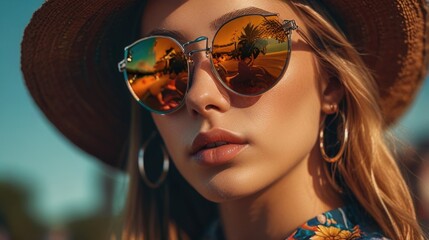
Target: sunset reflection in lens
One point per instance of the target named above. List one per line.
(250, 53)
(157, 73)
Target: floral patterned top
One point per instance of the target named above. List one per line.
(341, 223)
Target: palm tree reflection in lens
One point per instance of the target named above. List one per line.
(159, 77)
(250, 53)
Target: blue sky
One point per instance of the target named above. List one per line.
(62, 180)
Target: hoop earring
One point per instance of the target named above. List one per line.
(141, 165)
(340, 153)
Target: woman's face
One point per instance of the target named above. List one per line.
(266, 136)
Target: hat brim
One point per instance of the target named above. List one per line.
(69, 56)
(392, 37)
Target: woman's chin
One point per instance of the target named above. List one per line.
(222, 188)
(221, 194)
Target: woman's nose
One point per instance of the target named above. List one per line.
(206, 94)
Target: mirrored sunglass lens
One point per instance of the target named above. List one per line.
(157, 73)
(250, 53)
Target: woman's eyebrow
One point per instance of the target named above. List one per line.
(170, 33)
(215, 24)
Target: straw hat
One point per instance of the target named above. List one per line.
(70, 51)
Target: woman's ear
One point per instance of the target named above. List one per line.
(332, 94)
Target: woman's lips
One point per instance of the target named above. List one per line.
(216, 147)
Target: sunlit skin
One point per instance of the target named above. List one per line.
(276, 182)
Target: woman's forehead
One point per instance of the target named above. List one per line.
(206, 15)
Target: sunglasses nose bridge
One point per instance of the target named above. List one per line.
(189, 51)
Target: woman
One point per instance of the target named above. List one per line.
(272, 112)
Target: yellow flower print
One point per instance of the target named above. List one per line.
(334, 233)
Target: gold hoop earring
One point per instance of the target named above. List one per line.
(141, 164)
(340, 153)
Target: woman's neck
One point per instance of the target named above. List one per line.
(276, 211)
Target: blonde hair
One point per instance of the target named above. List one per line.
(368, 171)
(172, 211)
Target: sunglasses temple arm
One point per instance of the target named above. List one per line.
(307, 40)
(290, 25)
(121, 65)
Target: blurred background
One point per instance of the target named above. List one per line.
(49, 189)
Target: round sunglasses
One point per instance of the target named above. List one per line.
(248, 56)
